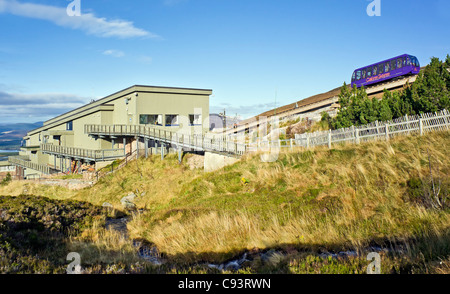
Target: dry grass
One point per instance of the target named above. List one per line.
(98, 245)
(347, 197)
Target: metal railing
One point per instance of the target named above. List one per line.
(81, 153)
(210, 142)
(24, 161)
(417, 124)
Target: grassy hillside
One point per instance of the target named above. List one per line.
(350, 197)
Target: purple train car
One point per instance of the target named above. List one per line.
(386, 70)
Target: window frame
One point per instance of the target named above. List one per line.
(400, 59)
(192, 122)
(393, 64)
(167, 116)
(69, 125)
(153, 122)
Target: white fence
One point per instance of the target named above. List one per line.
(406, 125)
(417, 124)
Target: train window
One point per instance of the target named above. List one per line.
(393, 64)
(358, 75)
(363, 73)
(386, 67)
(399, 63)
(380, 68)
(375, 70)
(353, 76)
(408, 60)
(369, 72)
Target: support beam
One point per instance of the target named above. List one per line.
(163, 146)
(124, 146)
(137, 147)
(180, 154)
(146, 147)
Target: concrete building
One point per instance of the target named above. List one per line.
(65, 143)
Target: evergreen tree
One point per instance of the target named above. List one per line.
(429, 93)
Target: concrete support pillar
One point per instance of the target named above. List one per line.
(180, 154)
(146, 147)
(137, 147)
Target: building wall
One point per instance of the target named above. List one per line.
(122, 108)
(182, 105)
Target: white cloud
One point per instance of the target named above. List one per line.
(14, 106)
(245, 111)
(87, 22)
(145, 59)
(114, 53)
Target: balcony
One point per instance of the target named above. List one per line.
(83, 154)
(25, 162)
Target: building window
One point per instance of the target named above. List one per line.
(195, 119)
(172, 120)
(150, 119)
(69, 126)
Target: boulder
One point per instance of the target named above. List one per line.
(128, 201)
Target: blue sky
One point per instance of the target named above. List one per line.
(253, 54)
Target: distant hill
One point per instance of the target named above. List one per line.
(11, 134)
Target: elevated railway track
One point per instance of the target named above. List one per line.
(328, 100)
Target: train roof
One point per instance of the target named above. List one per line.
(384, 61)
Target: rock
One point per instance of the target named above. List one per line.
(272, 256)
(107, 205)
(128, 201)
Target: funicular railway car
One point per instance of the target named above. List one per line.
(389, 69)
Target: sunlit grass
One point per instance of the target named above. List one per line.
(348, 197)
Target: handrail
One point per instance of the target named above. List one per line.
(24, 161)
(215, 143)
(96, 155)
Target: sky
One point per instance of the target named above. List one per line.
(254, 54)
